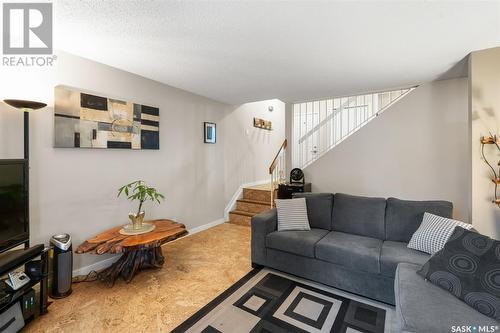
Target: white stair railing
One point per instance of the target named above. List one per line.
(320, 125)
(277, 170)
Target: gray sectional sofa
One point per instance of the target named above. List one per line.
(422, 307)
(355, 244)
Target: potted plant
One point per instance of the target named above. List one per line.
(139, 191)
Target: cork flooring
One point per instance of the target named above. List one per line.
(197, 269)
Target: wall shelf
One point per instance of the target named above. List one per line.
(263, 124)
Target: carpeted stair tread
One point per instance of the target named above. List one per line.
(241, 212)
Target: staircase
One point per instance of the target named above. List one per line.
(256, 199)
(318, 126)
(259, 198)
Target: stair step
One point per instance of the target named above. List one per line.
(252, 206)
(256, 194)
(265, 187)
(254, 201)
(240, 217)
(241, 212)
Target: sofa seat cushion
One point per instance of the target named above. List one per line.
(296, 242)
(394, 253)
(355, 252)
(424, 307)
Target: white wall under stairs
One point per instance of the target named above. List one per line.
(416, 149)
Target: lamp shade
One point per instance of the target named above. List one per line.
(24, 105)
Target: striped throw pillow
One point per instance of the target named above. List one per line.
(292, 214)
(434, 232)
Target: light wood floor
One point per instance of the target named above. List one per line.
(197, 269)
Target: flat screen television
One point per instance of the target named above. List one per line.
(14, 213)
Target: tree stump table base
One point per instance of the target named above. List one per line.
(139, 251)
(130, 263)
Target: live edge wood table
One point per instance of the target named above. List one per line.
(139, 251)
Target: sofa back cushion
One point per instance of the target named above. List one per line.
(403, 217)
(359, 215)
(319, 209)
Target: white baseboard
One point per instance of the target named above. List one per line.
(97, 266)
(108, 261)
(206, 226)
(239, 194)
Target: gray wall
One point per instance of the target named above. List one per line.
(417, 149)
(485, 119)
(74, 190)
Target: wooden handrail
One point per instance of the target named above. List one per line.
(273, 165)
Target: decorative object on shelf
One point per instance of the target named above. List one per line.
(263, 124)
(89, 121)
(210, 132)
(492, 140)
(139, 251)
(139, 191)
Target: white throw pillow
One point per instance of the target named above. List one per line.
(434, 232)
(292, 214)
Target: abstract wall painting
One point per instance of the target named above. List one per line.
(89, 121)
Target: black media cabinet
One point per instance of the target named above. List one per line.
(10, 261)
(286, 190)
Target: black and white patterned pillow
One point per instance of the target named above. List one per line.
(434, 232)
(292, 214)
(469, 268)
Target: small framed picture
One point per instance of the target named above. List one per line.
(210, 133)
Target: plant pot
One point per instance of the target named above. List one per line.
(136, 219)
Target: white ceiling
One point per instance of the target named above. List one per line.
(238, 52)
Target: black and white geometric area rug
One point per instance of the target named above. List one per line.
(272, 302)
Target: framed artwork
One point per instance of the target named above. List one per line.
(83, 120)
(210, 133)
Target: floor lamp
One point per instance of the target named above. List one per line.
(26, 107)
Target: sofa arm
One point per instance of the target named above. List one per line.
(262, 224)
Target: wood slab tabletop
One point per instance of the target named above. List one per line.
(111, 241)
